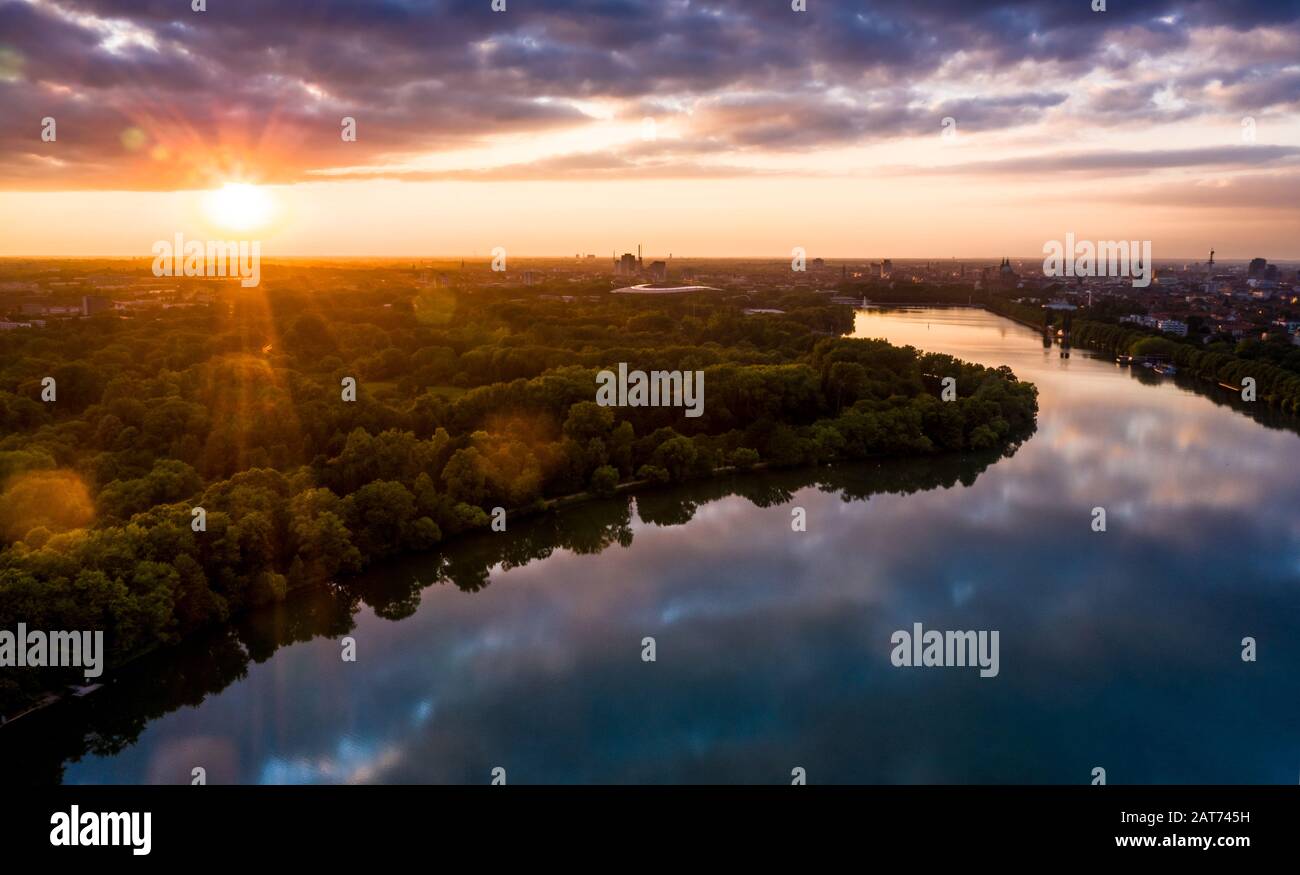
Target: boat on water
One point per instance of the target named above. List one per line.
(1167, 369)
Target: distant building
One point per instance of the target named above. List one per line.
(1173, 326)
(819, 262)
(648, 289)
(92, 304)
(532, 277)
(658, 271)
(626, 265)
(1007, 276)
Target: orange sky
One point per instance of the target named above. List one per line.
(843, 217)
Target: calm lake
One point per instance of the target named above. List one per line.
(1119, 649)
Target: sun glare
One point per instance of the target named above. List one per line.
(238, 206)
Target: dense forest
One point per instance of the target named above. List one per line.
(466, 400)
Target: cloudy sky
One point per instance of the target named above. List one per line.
(901, 128)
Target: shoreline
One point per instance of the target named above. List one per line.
(1041, 329)
(40, 692)
(47, 699)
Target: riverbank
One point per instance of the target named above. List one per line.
(992, 412)
(1275, 387)
(857, 479)
(1030, 317)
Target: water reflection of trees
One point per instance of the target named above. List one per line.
(1267, 416)
(35, 749)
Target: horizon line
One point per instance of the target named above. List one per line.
(583, 258)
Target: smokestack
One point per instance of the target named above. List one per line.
(639, 262)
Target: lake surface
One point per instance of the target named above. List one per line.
(1118, 649)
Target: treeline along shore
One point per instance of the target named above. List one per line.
(210, 660)
(1275, 385)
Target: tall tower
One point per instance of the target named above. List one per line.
(639, 263)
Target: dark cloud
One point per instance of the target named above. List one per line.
(262, 86)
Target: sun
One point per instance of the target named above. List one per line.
(238, 206)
